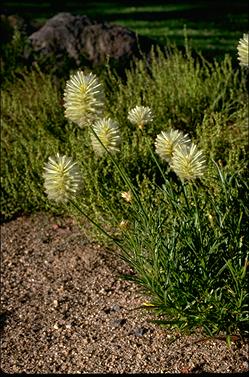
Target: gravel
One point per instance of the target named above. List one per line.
(64, 309)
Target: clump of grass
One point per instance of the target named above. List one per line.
(185, 236)
(12, 52)
(190, 254)
(187, 242)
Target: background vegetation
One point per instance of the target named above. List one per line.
(213, 27)
(207, 101)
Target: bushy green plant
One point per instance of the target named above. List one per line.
(179, 89)
(32, 127)
(12, 52)
(32, 116)
(190, 254)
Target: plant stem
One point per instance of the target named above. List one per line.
(123, 175)
(95, 224)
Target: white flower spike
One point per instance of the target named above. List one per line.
(83, 99)
(62, 178)
(188, 162)
(140, 116)
(108, 133)
(243, 50)
(166, 142)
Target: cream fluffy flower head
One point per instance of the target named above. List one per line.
(124, 224)
(166, 142)
(243, 50)
(140, 116)
(83, 98)
(127, 196)
(188, 162)
(62, 178)
(108, 132)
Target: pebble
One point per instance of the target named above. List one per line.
(118, 322)
(139, 331)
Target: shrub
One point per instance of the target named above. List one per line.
(175, 87)
(32, 127)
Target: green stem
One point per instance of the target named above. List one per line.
(123, 175)
(197, 211)
(156, 161)
(167, 181)
(185, 196)
(198, 226)
(95, 224)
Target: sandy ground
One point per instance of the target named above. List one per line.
(64, 309)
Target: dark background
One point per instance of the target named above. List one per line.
(213, 27)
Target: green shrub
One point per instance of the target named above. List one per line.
(207, 101)
(179, 89)
(32, 127)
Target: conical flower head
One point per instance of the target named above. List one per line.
(188, 162)
(108, 133)
(140, 116)
(83, 98)
(166, 142)
(243, 50)
(62, 178)
(127, 196)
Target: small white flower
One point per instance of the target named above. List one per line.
(188, 162)
(140, 116)
(166, 142)
(127, 196)
(62, 178)
(107, 131)
(83, 98)
(243, 50)
(124, 224)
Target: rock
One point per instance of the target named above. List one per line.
(139, 331)
(78, 37)
(60, 35)
(118, 322)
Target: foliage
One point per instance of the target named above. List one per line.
(186, 241)
(201, 99)
(190, 254)
(32, 127)
(12, 55)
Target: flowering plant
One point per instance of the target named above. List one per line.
(243, 50)
(186, 238)
(83, 98)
